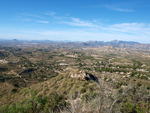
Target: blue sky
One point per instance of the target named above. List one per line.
(75, 20)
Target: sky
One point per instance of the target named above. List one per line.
(75, 20)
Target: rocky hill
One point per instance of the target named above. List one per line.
(77, 44)
(114, 43)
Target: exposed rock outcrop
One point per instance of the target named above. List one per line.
(83, 76)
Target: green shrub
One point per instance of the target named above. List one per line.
(37, 104)
(89, 96)
(137, 108)
(139, 84)
(128, 108)
(55, 102)
(14, 90)
(83, 90)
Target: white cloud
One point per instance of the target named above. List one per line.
(135, 28)
(123, 10)
(30, 15)
(78, 22)
(129, 28)
(53, 14)
(50, 13)
(60, 17)
(45, 22)
(118, 9)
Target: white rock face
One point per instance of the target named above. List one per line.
(83, 75)
(3, 61)
(80, 74)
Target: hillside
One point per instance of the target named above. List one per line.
(76, 90)
(62, 84)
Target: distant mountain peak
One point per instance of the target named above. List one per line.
(15, 40)
(115, 41)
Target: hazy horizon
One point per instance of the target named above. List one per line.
(70, 40)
